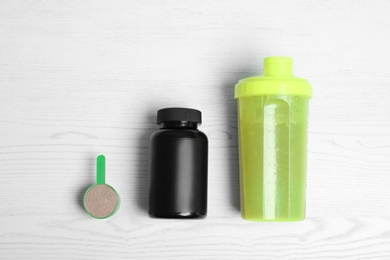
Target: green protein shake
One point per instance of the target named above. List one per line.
(273, 115)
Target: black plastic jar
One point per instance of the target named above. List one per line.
(178, 165)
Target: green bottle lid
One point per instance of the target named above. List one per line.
(277, 79)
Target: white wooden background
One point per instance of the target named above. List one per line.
(79, 78)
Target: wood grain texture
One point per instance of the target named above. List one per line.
(79, 78)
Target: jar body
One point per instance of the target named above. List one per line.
(178, 173)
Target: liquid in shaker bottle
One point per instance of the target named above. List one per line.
(272, 118)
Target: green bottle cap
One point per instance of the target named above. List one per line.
(101, 200)
(277, 79)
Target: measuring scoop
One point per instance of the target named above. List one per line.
(101, 200)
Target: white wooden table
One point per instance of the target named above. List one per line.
(79, 78)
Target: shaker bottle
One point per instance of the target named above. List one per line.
(272, 119)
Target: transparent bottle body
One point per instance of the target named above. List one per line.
(273, 157)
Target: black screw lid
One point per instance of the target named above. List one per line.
(179, 114)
